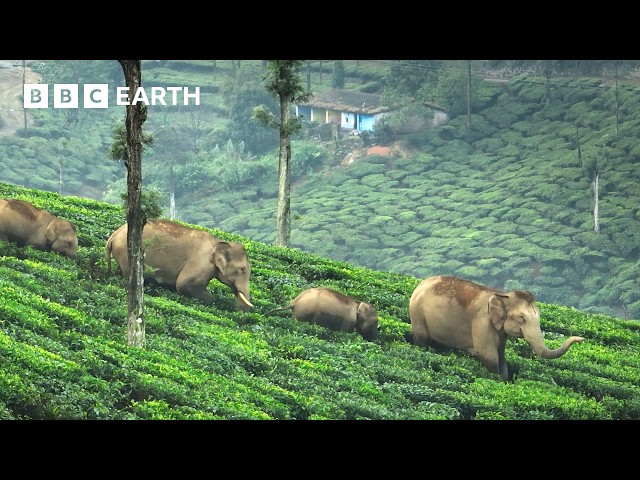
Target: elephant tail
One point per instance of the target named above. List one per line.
(288, 307)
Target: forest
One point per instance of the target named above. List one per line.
(502, 194)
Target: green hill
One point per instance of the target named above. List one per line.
(64, 353)
(505, 201)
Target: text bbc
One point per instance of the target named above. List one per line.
(96, 95)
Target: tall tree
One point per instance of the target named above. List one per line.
(578, 143)
(468, 93)
(547, 82)
(337, 80)
(617, 67)
(448, 92)
(548, 67)
(135, 117)
(62, 144)
(241, 95)
(283, 79)
(409, 76)
(24, 80)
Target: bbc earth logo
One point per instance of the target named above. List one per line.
(96, 95)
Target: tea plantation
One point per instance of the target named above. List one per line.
(64, 353)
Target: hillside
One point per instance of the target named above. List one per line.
(64, 354)
(506, 201)
(11, 117)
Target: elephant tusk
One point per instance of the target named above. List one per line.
(244, 299)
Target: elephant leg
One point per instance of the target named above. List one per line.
(348, 324)
(502, 361)
(421, 336)
(491, 363)
(488, 347)
(124, 269)
(186, 285)
(489, 357)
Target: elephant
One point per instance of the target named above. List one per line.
(334, 310)
(24, 224)
(461, 314)
(187, 259)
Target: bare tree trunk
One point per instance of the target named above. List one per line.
(547, 84)
(136, 115)
(579, 150)
(60, 170)
(468, 93)
(320, 72)
(596, 215)
(283, 215)
(24, 80)
(172, 193)
(172, 205)
(616, 95)
(308, 75)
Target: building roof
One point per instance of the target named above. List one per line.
(347, 101)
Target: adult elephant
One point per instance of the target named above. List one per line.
(334, 310)
(24, 224)
(187, 259)
(462, 314)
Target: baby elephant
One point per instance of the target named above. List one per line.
(335, 311)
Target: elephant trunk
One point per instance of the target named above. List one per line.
(539, 348)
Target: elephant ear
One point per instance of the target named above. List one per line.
(50, 233)
(221, 256)
(497, 310)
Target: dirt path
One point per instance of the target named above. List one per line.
(11, 111)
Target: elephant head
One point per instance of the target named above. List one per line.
(62, 238)
(367, 321)
(233, 269)
(518, 314)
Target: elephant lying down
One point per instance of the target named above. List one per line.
(187, 259)
(25, 224)
(461, 314)
(335, 311)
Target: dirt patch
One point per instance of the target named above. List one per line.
(11, 106)
(379, 150)
(398, 149)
